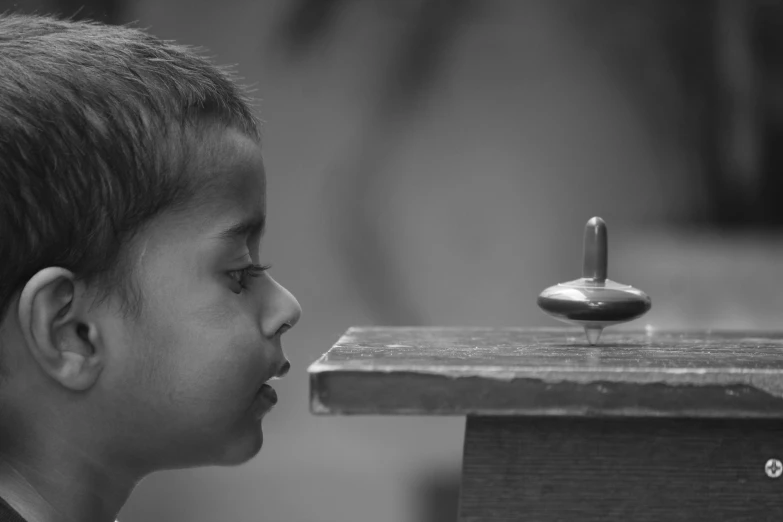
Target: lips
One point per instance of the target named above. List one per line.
(268, 393)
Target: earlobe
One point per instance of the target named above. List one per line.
(57, 334)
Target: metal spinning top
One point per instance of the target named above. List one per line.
(593, 301)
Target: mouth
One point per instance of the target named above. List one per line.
(268, 393)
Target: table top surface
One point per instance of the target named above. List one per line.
(710, 373)
(476, 349)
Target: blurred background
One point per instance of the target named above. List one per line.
(433, 162)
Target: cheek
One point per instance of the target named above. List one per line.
(201, 361)
(217, 357)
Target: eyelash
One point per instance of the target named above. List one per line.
(249, 271)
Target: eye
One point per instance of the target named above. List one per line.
(241, 276)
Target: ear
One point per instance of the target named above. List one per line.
(57, 331)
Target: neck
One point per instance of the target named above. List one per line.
(62, 489)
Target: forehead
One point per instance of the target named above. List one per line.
(227, 171)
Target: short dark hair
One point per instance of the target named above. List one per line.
(96, 128)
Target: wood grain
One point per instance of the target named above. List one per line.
(605, 470)
(550, 371)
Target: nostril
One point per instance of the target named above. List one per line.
(284, 328)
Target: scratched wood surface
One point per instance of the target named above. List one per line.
(550, 371)
(551, 469)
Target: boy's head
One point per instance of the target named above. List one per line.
(132, 328)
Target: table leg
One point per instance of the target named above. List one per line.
(621, 469)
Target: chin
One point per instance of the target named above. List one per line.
(243, 448)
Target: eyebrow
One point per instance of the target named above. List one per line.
(240, 230)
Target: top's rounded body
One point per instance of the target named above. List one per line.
(593, 301)
(588, 303)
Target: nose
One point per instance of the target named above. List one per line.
(281, 310)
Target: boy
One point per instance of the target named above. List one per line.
(138, 329)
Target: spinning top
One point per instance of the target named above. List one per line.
(593, 301)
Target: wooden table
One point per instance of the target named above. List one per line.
(645, 426)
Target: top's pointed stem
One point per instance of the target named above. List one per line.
(593, 334)
(595, 251)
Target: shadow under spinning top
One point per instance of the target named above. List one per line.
(593, 301)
